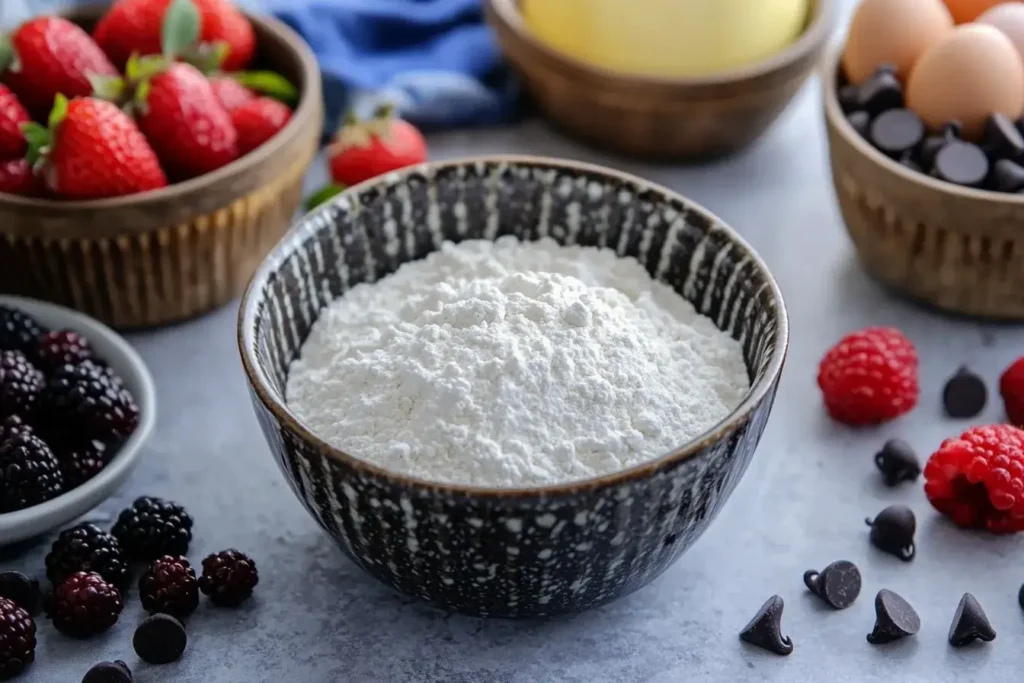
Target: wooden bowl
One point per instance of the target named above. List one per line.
(528, 551)
(955, 248)
(177, 252)
(660, 118)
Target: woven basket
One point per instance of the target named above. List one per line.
(958, 249)
(178, 252)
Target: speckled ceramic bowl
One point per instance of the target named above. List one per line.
(511, 552)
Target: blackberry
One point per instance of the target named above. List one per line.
(11, 425)
(17, 639)
(62, 347)
(29, 472)
(87, 548)
(228, 578)
(20, 384)
(170, 586)
(18, 331)
(153, 527)
(84, 605)
(89, 398)
(109, 672)
(82, 463)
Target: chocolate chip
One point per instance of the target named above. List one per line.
(964, 395)
(861, 122)
(929, 149)
(896, 132)
(837, 584)
(20, 589)
(160, 639)
(1007, 176)
(892, 531)
(908, 161)
(897, 462)
(849, 96)
(894, 618)
(880, 93)
(953, 130)
(970, 623)
(109, 672)
(765, 629)
(1002, 140)
(1020, 597)
(961, 163)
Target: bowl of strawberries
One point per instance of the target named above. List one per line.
(151, 153)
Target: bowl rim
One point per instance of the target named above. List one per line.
(178, 191)
(835, 117)
(815, 33)
(260, 383)
(37, 519)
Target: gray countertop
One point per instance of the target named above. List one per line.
(802, 503)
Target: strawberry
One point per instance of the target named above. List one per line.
(230, 93)
(92, 150)
(1011, 388)
(135, 27)
(364, 149)
(259, 120)
(16, 177)
(50, 55)
(12, 116)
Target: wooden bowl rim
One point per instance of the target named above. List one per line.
(758, 392)
(506, 13)
(838, 121)
(179, 191)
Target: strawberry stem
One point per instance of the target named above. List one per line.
(322, 195)
(181, 28)
(268, 83)
(384, 111)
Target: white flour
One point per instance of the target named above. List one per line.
(507, 364)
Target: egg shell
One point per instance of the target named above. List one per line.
(964, 11)
(972, 73)
(1008, 18)
(892, 32)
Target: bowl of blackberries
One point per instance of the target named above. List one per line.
(76, 405)
(925, 124)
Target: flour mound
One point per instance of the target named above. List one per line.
(469, 368)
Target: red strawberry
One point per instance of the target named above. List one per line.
(870, 376)
(1011, 387)
(50, 55)
(16, 177)
(366, 149)
(134, 26)
(258, 121)
(12, 115)
(230, 93)
(92, 150)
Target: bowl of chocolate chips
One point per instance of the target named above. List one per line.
(925, 121)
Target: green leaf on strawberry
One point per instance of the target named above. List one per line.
(40, 137)
(268, 83)
(322, 195)
(8, 57)
(181, 28)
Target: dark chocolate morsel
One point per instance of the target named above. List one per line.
(961, 163)
(1020, 597)
(929, 149)
(109, 672)
(970, 623)
(952, 130)
(894, 618)
(880, 93)
(21, 590)
(1007, 176)
(886, 68)
(160, 639)
(765, 629)
(860, 121)
(897, 462)
(896, 132)
(908, 161)
(965, 394)
(1002, 140)
(849, 96)
(892, 531)
(837, 584)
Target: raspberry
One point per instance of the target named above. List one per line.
(1011, 387)
(84, 605)
(170, 586)
(977, 480)
(20, 384)
(62, 347)
(870, 376)
(17, 639)
(87, 548)
(90, 398)
(82, 463)
(153, 527)
(29, 472)
(18, 331)
(228, 578)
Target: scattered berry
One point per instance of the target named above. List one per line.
(1011, 387)
(170, 586)
(228, 578)
(977, 479)
(153, 527)
(21, 590)
(17, 639)
(259, 120)
(85, 605)
(18, 331)
(62, 347)
(230, 93)
(20, 384)
(16, 177)
(870, 376)
(160, 639)
(365, 149)
(29, 472)
(109, 672)
(87, 548)
(12, 115)
(90, 398)
(83, 462)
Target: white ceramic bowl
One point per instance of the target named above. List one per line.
(122, 358)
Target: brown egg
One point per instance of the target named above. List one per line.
(964, 11)
(892, 32)
(1008, 18)
(972, 73)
